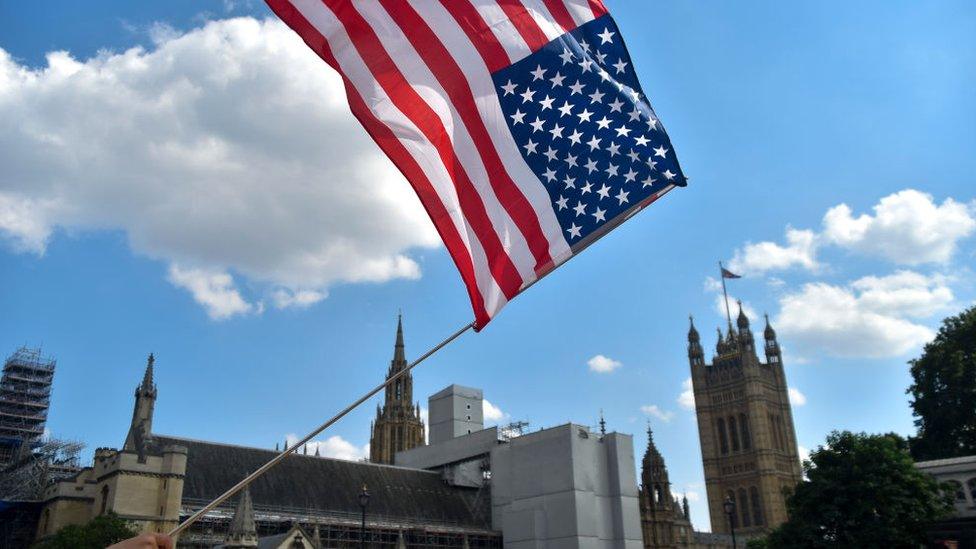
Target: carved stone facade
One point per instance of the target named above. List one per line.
(397, 426)
(745, 425)
(665, 523)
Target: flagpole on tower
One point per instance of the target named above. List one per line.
(728, 312)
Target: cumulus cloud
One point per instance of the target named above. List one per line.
(492, 413)
(213, 289)
(687, 397)
(907, 228)
(229, 147)
(796, 397)
(603, 364)
(655, 411)
(333, 447)
(800, 251)
(870, 317)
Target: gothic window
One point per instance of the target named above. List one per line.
(746, 436)
(723, 442)
(757, 514)
(398, 390)
(774, 431)
(104, 500)
(782, 432)
(744, 502)
(658, 493)
(734, 433)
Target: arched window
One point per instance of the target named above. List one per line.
(658, 493)
(971, 484)
(723, 442)
(734, 518)
(757, 514)
(734, 433)
(398, 391)
(774, 429)
(744, 501)
(104, 500)
(746, 436)
(956, 490)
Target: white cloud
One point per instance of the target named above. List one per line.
(333, 447)
(804, 453)
(868, 318)
(301, 299)
(907, 227)
(796, 397)
(230, 148)
(655, 411)
(692, 496)
(213, 289)
(492, 413)
(687, 397)
(603, 364)
(800, 251)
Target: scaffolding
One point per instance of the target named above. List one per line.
(25, 395)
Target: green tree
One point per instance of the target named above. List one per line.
(98, 533)
(861, 491)
(944, 391)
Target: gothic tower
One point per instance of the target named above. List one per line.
(745, 426)
(398, 425)
(242, 532)
(142, 413)
(657, 508)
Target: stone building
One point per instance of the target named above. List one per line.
(397, 426)
(664, 521)
(155, 481)
(745, 426)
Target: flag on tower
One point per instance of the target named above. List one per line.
(729, 274)
(520, 124)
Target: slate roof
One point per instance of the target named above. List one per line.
(324, 486)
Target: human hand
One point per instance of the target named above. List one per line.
(145, 541)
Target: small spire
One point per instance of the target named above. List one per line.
(286, 445)
(277, 448)
(603, 424)
(693, 336)
(242, 527)
(650, 434)
(147, 378)
(317, 454)
(399, 355)
(305, 450)
(770, 333)
(743, 320)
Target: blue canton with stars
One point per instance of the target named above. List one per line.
(585, 127)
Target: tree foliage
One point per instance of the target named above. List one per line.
(862, 491)
(98, 533)
(944, 391)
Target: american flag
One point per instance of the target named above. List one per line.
(520, 123)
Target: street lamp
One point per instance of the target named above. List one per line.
(729, 507)
(363, 502)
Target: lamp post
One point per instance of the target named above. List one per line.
(729, 507)
(363, 502)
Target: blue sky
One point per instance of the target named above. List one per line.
(174, 200)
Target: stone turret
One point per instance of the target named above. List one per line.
(140, 429)
(397, 426)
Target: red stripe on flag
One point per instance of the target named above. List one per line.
(598, 8)
(524, 24)
(562, 16)
(452, 79)
(390, 144)
(409, 102)
(474, 26)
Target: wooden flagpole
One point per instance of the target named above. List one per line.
(277, 459)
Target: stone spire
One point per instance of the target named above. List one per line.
(399, 354)
(243, 532)
(603, 424)
(769, 333)
(742, 321)
(142, 413)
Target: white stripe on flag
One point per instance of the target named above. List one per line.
(580, 10)
(503, 29)
(545, 20)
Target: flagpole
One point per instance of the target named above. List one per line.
(277, 459)
(728, 313)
